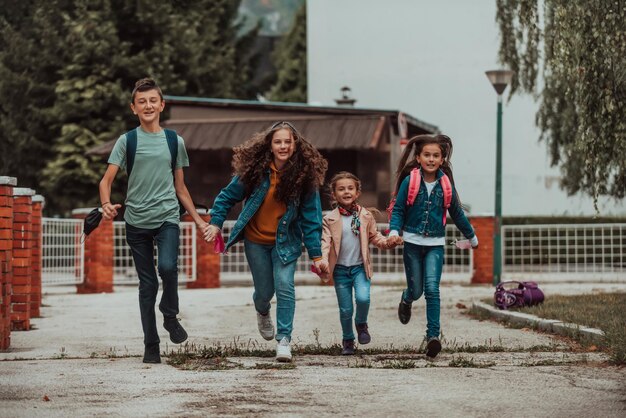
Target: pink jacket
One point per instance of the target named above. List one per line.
(331, 239)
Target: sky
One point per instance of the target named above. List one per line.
(428, 59)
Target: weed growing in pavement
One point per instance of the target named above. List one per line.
(461, 361)
(399, 364)
(361, 364)
(62, 354)
(273, 366)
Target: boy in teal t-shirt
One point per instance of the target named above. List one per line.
(152, 213)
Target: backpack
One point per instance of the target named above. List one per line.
(525, 294)
(415, 180)
(172, 144)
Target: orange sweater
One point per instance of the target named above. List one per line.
(261, 229)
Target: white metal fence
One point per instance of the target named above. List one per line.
(387, 264)
(564, 252)
(124, 266)
(62, 261)
(541, 252)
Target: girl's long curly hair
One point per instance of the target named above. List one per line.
(303, 173)
(414, 148)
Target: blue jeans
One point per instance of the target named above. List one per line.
(141, 242)
(347, 278)
(423, 265)
(271, 276)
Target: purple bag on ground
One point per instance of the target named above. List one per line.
(525, 294)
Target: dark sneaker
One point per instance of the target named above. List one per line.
(151, 353)
(178, 334)
(364, 335)
(404, 312)
(348, 348)
(433, 347)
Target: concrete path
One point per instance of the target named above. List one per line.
(84, 358)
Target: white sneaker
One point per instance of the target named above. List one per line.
(283, 351)
(266, 327)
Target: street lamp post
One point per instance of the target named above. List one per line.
(499, 79)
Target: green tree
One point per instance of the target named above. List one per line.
(580, 50)
(290, 62)
(30, 56)
(89, 105)
(69, 66)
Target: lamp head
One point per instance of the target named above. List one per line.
(500, 79)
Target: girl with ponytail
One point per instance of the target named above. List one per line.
(423, 227)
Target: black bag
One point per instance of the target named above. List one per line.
(91, 222)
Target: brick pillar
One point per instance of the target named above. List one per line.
(484, 227)
(6, 258)
(207, 262)
(22, 258)
(36, 253)
(98, 275)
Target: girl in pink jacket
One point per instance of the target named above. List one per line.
(347, 232)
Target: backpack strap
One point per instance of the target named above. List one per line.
(446, 185)
(131, 149)
(172, 144)
(415, 180)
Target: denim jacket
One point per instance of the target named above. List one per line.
(301, 221)
(425, 216)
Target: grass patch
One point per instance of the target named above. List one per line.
(399, 364)
(603, 311)
(462, 361)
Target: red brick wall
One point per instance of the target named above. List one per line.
(6, 257)
(36, 253)
(22, 259)
(98, 275)
(483, 256)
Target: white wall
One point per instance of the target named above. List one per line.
(428, 59)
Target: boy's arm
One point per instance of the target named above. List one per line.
(185, 198)
(109, 209)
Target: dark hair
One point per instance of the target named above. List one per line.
(303, 173)
(414, 148)
(145, 84)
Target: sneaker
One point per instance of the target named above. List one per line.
(364, 335)
(404, 312)
(151, 353)
(178, 334)
(348, 348)
(433, 347)
(283, 351)
(266, 327)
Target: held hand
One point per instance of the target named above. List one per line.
(323, 266)
(210, 233)
(202, 226)
(109, 211)
(394, 241)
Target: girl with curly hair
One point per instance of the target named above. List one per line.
(278, 174)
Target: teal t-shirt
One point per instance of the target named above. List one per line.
(151, 197)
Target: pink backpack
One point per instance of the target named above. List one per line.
(415, 180)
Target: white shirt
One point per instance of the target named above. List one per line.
(350, 246)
